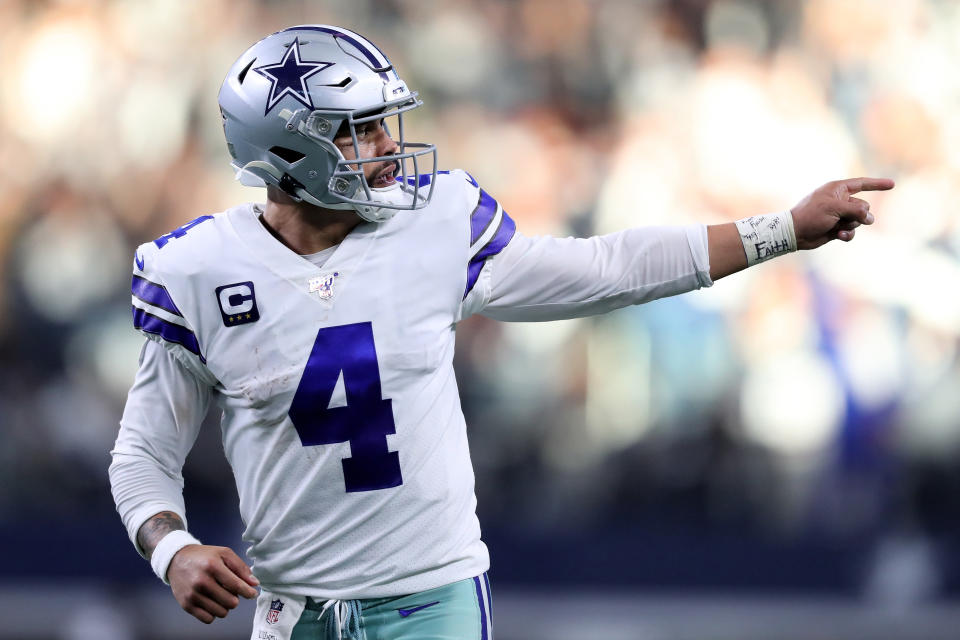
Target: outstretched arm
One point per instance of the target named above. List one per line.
(535, 279)
(829, 213)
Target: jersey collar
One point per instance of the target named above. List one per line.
(285, 262)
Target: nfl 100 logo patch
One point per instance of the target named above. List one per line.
(273, 615)
(323, 285)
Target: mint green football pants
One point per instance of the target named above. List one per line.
(458, 611)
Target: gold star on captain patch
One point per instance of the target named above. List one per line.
(248, 316)
(230, 318)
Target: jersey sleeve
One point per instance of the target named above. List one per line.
(157, 316)
(162, 417)
(514, 277)
(491, 230)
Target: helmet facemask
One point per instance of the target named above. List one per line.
(348, 186)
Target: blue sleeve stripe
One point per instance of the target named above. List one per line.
(153, 293)
(167, 330)
(482, 215)
(496, 244)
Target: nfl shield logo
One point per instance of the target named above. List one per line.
(276, 606)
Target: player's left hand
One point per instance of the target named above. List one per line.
(832, 213)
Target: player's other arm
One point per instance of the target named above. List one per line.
(160, 423)
(206, 580)
(829, 213)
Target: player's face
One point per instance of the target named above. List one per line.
(372, 141)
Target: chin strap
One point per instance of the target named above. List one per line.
(370, 213)
(248, 175)
(304, 195)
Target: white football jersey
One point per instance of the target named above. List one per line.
(341, 415)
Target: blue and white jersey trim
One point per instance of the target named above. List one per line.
(485, 605)
(154, 294)
(424, 179)
(490, 231)
(154, 312)
(169, 331)
(482, 216)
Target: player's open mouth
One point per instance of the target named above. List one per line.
(386, 178)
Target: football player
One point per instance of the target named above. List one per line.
(321, 324)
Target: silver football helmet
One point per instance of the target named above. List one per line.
(287, 97)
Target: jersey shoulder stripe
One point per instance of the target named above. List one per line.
(153, 294)
(488, 214)
(175, 333)
(482, 216)
(160, 296)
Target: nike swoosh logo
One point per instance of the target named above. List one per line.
(405, 612)
(139, 261)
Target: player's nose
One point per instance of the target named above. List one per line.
(388, 146)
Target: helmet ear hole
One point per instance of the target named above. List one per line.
(290, 156)
(343, 83)
(243, 73)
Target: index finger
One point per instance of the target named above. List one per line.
(855, 185)
(242, 577)
(229, 580)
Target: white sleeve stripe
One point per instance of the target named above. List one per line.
(159, 312)
(488, 233)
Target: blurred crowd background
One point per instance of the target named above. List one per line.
(794, 429)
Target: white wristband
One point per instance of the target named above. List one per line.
(767, 236)
(168, 547)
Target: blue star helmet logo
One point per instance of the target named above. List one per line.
(289, 76)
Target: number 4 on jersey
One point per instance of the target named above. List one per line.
(366, 420)
(179, 232)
